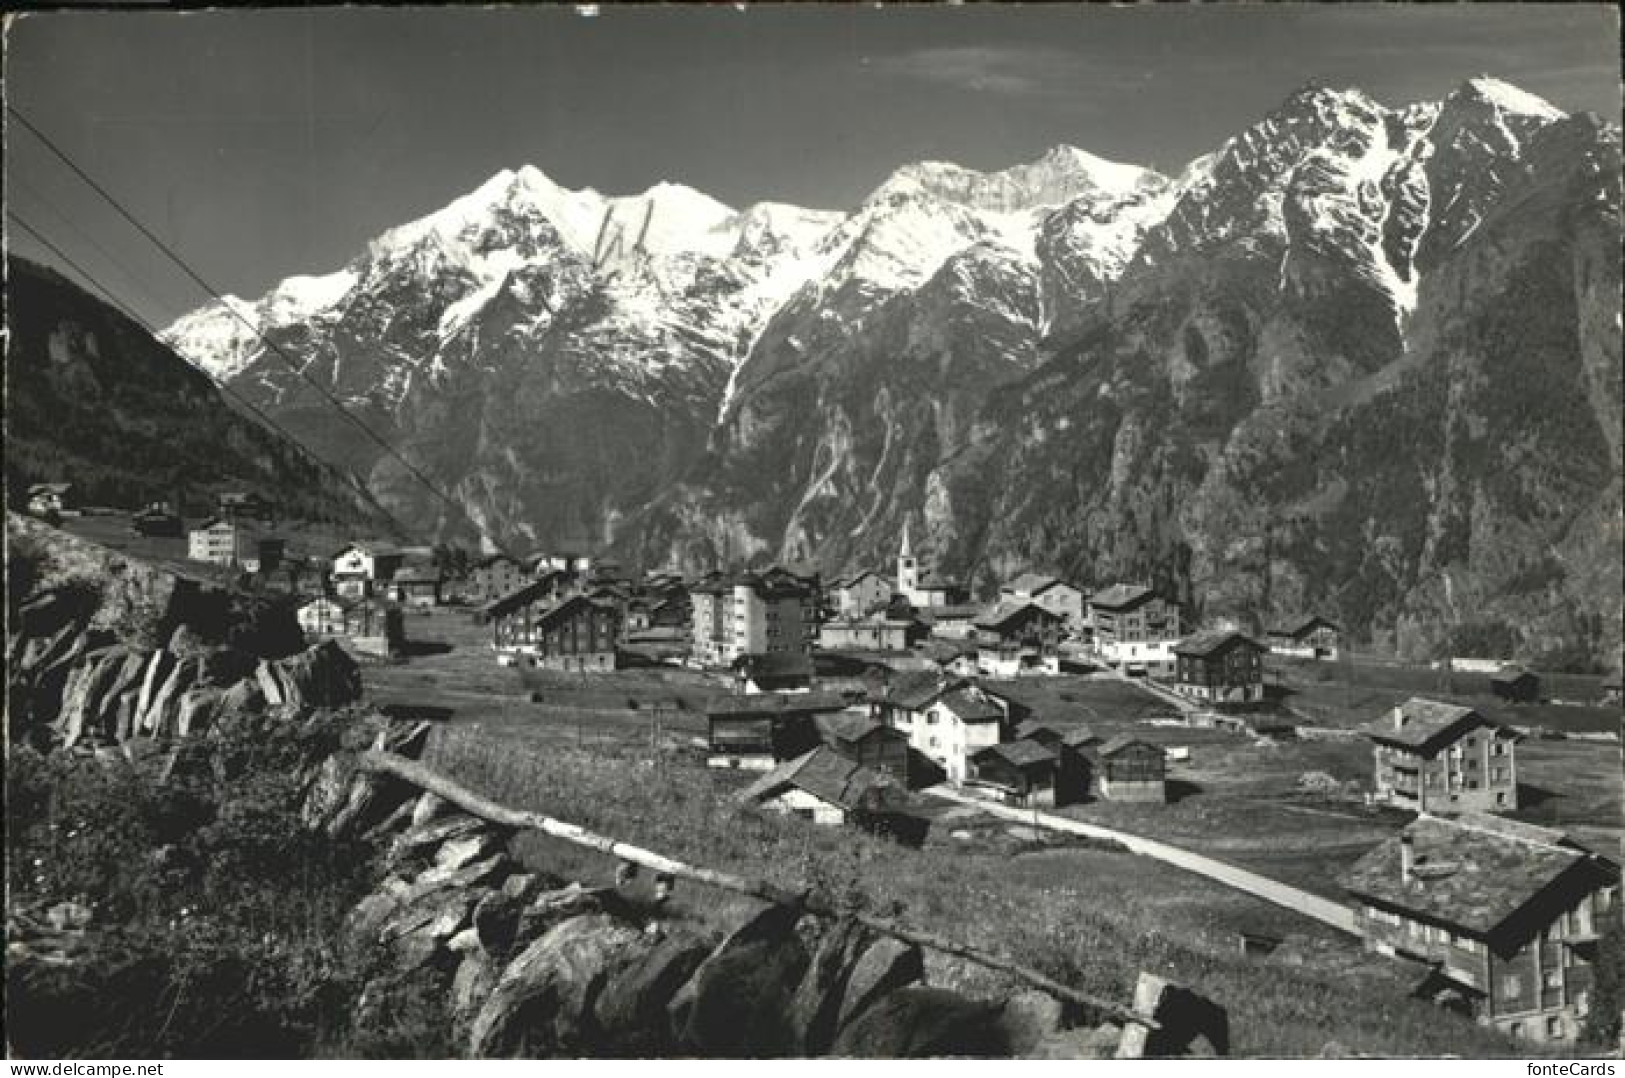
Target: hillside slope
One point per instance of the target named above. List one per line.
(93, 399)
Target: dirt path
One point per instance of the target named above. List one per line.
(1300, 901)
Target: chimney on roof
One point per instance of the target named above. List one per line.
(1399, 717)
(1407, 858)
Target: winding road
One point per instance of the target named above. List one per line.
(1296, 899)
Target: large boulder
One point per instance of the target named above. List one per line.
(815, 1010)
(471, 986)
(915, 1023)
(738, 1003)
(320, 676)
(631, 1013)
(542, 1002)
(885, 966)
(415, 848)
(551, 907)
(418, 930)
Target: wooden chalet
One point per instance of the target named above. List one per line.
(1507, 915)
(576, 634)
(1307, 636)
(1436, 757)
(1053, 594)
(774, 671)
(374, 627)
(416, 586)
(862, 740)
(1220, 666)
(1029, 772)
(827, 788)
(758, 731)
(1516, 685)
(1132, 770)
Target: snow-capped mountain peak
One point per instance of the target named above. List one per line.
(1509, 98)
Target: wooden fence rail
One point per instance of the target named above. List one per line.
(411, 771)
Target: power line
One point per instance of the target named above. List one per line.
(92, 281)
(133, 278)
(287, 360)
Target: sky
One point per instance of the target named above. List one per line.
(260, 144)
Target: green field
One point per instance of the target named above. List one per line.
(1089, 914)
(1349, 694)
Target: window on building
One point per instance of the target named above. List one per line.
(1510, 986)
(1554, 1027)
(1554, 978)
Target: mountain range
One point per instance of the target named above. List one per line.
(1358, 360)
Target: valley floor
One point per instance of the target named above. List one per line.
(622, 753)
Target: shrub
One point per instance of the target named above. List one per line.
(216, 916)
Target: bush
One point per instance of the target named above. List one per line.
(215, 916)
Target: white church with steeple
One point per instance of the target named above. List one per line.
(918, 584)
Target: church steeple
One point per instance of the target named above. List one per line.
(908, 570)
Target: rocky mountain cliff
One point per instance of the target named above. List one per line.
(1359, 359)
(93, 399)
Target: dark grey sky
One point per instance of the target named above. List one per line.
(266, 143)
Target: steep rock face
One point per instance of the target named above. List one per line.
(1295, 418)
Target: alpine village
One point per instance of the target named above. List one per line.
(825, 745)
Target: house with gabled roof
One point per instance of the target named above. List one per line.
(322, 616)
(859, 594)
(775, 671)
(1066, 602)
(1017, 637)
(758, 731)
(1134, 628)
(1132, 769)
(1305, 636)
(577, 633)
(1033, 770)
(360, 569)
(1436, 757)
(1516, 685)
(1220, 666)
(825, 787)
(859, 738)
(416, 586)
(946, 719)
(1507, 917)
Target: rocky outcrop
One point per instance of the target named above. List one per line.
(116, 692)
(529, 966)
(321, 676)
